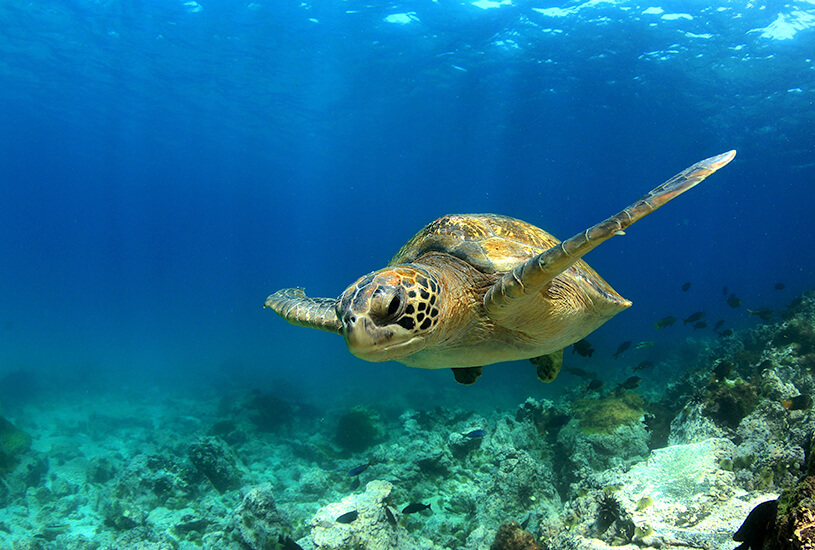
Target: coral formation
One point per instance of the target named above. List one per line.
(212, 458)
(727, 404)
(13, 443)
(356, 430)
(511, 536)
(257, 523)
(603, 416)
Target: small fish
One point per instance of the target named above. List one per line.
(355, 484)
(695, 317)
(644, 365)
(721, 370)
(686, 287)
(389, 516)
(359, 469)
(525, 523)
(475, 434)
(286, 543)
(780, 286)
(624, 346)
(724, 290)
(757, 526)
(595, 385)
(718, 325)
(727, 332)
(348, 517)
(579, 372)
(582, 347)
(414, 507)
(733, 301)
(643, 345)
(665, 322)
(699, 324)
(764, 313)
(631, 384)
(798, 403)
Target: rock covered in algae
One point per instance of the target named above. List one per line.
(681, 496)
(365, 520)
(13, 443)
(511, 536)
(257, 521)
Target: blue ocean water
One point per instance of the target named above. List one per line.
(166, 165)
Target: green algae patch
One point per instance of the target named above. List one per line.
(727, 404)
(13, 442)
(603, 416)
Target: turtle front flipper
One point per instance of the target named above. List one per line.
(298, 309)
(532, 276)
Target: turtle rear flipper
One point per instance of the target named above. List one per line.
(467, 375)
(532, 276)
(548, 365)
(298, 309)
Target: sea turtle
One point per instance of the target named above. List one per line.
(475, 289)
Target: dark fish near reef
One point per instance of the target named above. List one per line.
(699, 324)
(525, 523)
(558, 421)
(798, 403)
(721, 370)
(631, 384)
(579, 372)
(286, 543)
(764, 313)
(358, 470)
(582, 347)
(389, 516)
(348, 517)
(726, 333)
(624, 346)
(644, 365)
(695, 317)
(475, 434)
(414, 507)
(355, 484)
(718, 325)
(757, 526)
(595, 385)
(780, 286)
(665, 322)
(733, 301)
(686, 287)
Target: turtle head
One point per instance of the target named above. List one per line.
(389, 314)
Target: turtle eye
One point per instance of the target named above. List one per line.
(386, 303)
(393, 308)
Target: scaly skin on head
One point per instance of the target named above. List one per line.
(389, 314)
(395, 312)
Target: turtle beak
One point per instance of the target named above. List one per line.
(363, 338)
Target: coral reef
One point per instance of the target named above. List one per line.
(249, 471)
